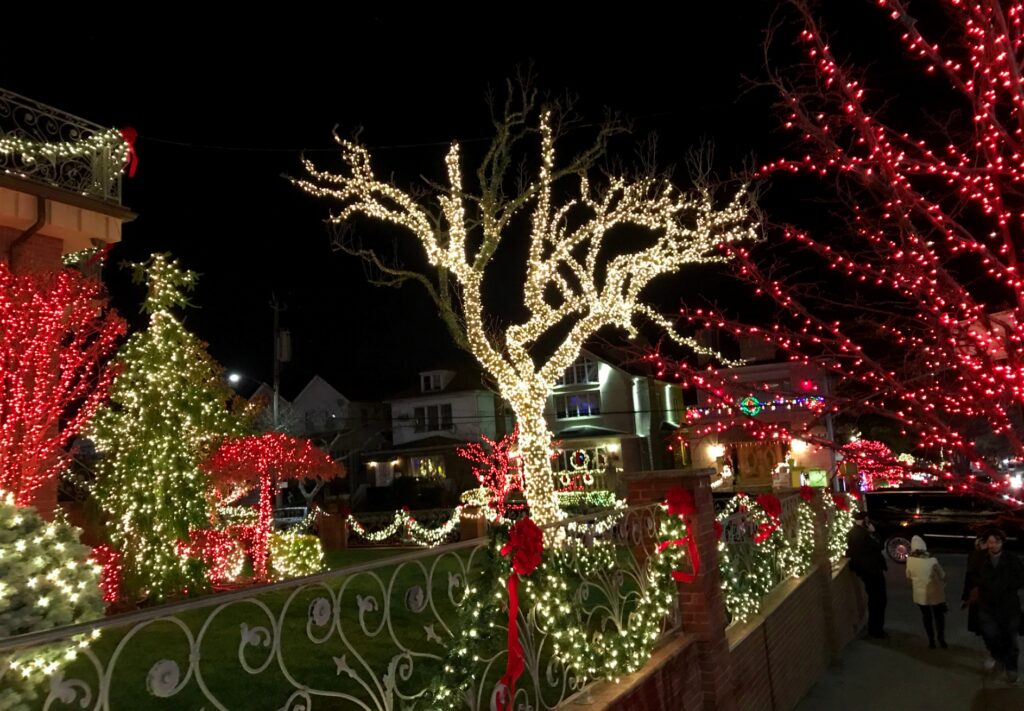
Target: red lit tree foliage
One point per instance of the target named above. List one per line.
(56, 335)
(909, 290)
(264, 460)
(496, 468)
(875, 462)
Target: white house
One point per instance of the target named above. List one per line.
(447, 408)
(606, 420)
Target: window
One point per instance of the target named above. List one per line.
(431, 382)
(428, 467)
(572, 405)
(433, 418)
(582, 372)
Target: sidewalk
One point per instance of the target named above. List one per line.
(902, 674)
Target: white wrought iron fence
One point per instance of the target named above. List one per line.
(371, 636)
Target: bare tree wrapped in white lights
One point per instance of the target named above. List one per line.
(581, 273)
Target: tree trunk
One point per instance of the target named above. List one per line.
(535, 450)
(260, 542)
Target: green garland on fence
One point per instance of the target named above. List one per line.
(749, 569)
(550, 597)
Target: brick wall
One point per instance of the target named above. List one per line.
(670, 680)
(39, 253)
(779, 654)
(766, 664)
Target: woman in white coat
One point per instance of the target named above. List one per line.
(929, 582)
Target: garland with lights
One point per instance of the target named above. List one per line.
(565, 238)
(120, 143)
(168, 408)
(754, 553)
(412, 529)
(593, 652)
(840, 508)
(46, 581)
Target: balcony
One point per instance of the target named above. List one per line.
(70, 153)
(60, 178)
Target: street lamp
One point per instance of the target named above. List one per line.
(235, 378)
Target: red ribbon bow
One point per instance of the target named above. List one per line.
(773, 507)
(526, 544)
(807, 493)
(840, 501)
(680, 503)
(129, 135)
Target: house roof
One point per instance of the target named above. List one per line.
(465, 380)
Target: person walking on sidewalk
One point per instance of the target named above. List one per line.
(928, 580)
(865, 553)
(999, 578)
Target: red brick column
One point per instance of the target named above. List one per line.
(700, 602)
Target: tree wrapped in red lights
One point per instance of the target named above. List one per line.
(56, 336)
(875, 462)
(498, 470)
(918, 299)
(263, 461)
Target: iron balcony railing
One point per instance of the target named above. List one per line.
(53, 147)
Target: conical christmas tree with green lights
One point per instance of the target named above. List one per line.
(168, 408)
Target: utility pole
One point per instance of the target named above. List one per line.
(282, 353)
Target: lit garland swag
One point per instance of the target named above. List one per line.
(761, 553)
(550, 592)
(46, 581)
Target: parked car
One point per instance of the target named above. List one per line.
(899, 514)
(289, 516)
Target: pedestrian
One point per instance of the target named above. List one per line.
(928, 580)
(999, 577)
(865, 553)
(975, 559)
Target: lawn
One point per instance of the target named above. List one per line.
(264, 673)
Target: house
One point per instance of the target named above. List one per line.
(57, 196)
(606, 420)
(449, 407)
(786, 397)
(343, 428)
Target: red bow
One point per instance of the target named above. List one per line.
(807, 493)
(526, 544)
(129, 135)
(773, 507)
(680, 503)
(840, 501)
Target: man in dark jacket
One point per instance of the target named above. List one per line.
(998, 578)
(865, 553)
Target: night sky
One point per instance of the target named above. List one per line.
(223, 109)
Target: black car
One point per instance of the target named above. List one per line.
(899, 514)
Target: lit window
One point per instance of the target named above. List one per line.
(582, 372)
(572, 405)
(428, 467)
